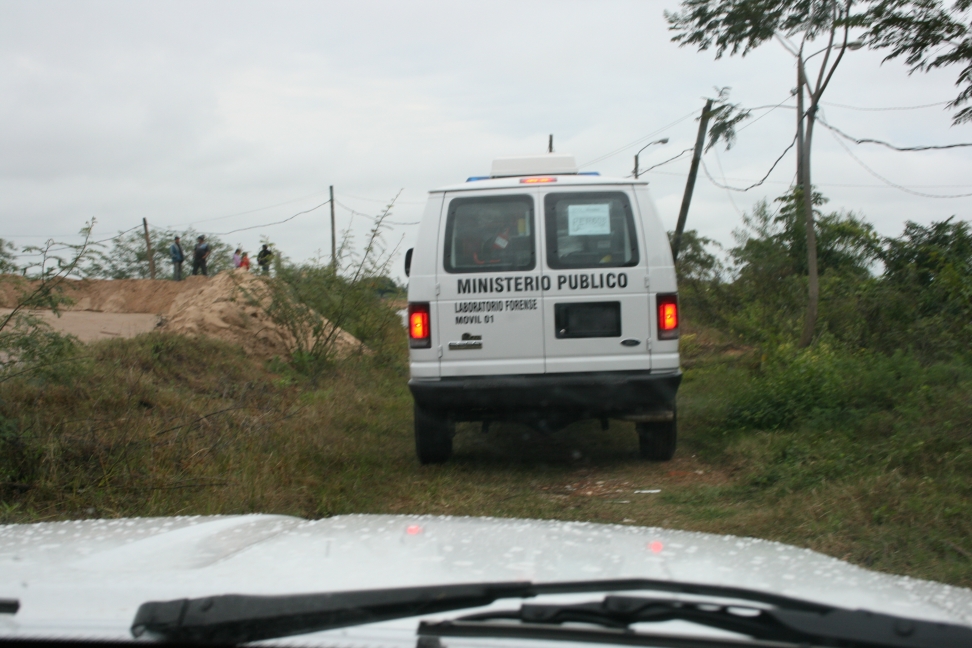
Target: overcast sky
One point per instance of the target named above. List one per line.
(224, 115)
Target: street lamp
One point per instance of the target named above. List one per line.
(663, 140)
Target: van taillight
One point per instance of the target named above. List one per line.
(667, 316)
(419, 332)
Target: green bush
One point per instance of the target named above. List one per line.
(19, 456)
(831, 385)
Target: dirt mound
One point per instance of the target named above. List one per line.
(230, 306)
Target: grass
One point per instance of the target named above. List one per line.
(166, 425)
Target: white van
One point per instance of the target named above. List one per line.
(546, 296)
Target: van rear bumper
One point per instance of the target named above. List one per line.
(613, 394)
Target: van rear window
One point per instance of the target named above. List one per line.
(590, 230)
(490, 234)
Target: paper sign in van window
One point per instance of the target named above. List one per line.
(588, 220)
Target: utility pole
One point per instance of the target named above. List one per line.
(333, 235)
(550, 144)
(693, 172)
(148, 250)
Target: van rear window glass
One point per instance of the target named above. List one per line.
(490, 234)
(590, 230)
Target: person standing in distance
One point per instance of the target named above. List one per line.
(263, 259)
(175, 252)
(199, 256)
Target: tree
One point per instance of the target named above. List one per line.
(740, 26)
(935, 262)
(769, 270)
(8, 261)
(929, 35)
(776, 243)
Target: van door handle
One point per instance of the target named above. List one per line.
(630, 342)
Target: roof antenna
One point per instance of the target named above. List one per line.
(550, 144)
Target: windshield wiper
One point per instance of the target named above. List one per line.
(238, 618)
(234, 618)
(776, 626)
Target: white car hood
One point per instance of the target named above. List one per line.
(87, 578)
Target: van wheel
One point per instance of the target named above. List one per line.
(433, 436)
(656, 441)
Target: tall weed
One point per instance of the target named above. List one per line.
(349, 294)
(27, 342)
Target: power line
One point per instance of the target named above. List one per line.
(771, 109)
(357, 213)
(671, 159)
(843, 185)
(931, 105)
(13, 236)
(118, 235)
(722, 186)
(71, 247)
(243, 229)
(380, 200)
(639, 140)
(251, 211)
(723, 174)
(888, 182)
(890, 146)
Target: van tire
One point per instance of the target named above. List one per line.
(433, 436)
(656, 441)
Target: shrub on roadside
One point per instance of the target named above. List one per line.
(833, 385)
(349, 293)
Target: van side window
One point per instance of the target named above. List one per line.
(490, 234)
(590, 230)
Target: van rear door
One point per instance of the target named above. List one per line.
(490, 314)
(596, 312)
